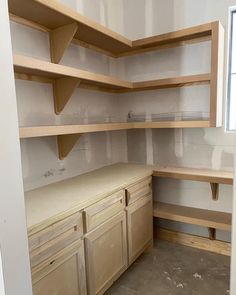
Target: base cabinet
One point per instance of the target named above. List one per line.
(106, 254)
(140, 227)
(62, 274)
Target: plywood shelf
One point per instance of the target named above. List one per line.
(30, 68)
(205, 175)
(49, 15)
(42, 131)
(201, 217)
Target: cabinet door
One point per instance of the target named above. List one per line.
(63, 274)
(140, 226)
(106, 254)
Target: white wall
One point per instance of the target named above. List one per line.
(13, 235)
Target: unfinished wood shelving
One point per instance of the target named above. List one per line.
(68, 135)
(207, 218)
(214, 177)
(66, 79)
(62, 21)
(65, 26)
(201, 217)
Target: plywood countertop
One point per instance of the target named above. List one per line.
(56, 201)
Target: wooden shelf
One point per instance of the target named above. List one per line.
(42, 131)
(49, 15)
(201, 217)
(205, 175)
(52, 15)
(32, 68)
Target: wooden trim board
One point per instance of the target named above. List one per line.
(201, 217)
(205, 175)
(198, 242)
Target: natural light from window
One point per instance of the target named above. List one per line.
(231, 124)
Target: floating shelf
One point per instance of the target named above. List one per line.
(49, 16)
(201, 217)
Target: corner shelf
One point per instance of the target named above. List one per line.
(49, 16)
(201, 217)
(66, 79)
(68, 135)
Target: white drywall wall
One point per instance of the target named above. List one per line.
(13, 236)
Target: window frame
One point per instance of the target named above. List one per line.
(232, 13)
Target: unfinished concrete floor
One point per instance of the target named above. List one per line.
(172, 269)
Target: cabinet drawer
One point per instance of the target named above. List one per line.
(139, 190)
(54, 238)
(103, 210)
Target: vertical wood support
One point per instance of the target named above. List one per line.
(215, 191)
(63, 88)
(60, 39)
(217, 65)
(66, 143)
(212, 233)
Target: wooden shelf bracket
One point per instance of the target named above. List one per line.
(212, 233)
(215, 191)
(63, 88)
(66, 143)
(60, 39)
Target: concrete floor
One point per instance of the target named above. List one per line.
(172, 269)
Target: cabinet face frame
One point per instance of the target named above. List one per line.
(53, 263)
(90, 240)
(146, 201)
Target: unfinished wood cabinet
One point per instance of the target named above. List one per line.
(63, 273)
(139, 217)
(106, 254)
(101, 211)
(54, 238)
(139, 226)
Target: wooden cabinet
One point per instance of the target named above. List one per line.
(63, 273)
(106, 254)
(101, 211)
(139, 226)
(54, 238)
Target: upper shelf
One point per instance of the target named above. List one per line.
(52, 15)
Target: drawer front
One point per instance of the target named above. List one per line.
(139, 190)
(103, 210)
(51, 240)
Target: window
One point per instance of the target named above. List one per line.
(231, 116)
